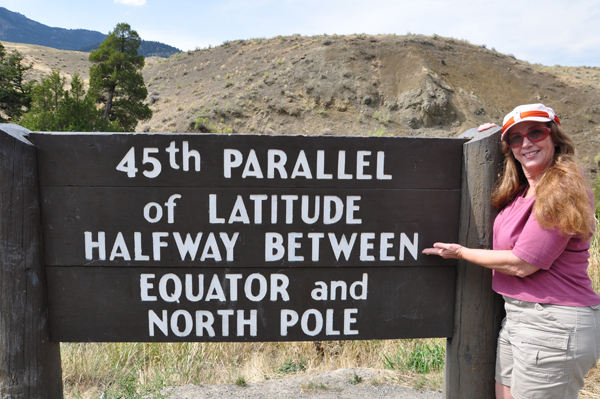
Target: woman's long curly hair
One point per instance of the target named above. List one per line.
(562, 196)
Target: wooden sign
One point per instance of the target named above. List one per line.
(208, 237)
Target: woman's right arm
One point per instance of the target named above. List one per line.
(503, 261)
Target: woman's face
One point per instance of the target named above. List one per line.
(536, 157)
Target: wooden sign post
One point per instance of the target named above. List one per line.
(29, 362)
(469, 371)
(204, 237)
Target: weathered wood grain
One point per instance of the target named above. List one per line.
(29, 363)
(471, 352)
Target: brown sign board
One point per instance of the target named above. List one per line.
(214, 237)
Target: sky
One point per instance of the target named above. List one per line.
(551, 32)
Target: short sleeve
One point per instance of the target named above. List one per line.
(539, 246)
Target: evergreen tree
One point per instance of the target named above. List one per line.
(54, 108)
(116, 79)
(15, 93)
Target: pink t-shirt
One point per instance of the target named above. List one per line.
(562, 259)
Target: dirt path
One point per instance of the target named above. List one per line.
(367, 384)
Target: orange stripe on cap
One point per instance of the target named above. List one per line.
(508, 124)
(527, 114)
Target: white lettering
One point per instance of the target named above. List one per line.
(189, 246)
(302, 168)
(288, 319)
(342, 175)
(231, 159)
(172, 150)
(252, 167)
(170, 204)
(251, 322)
(137, 247)
(204, 321)
(225, 321)
(187, 154)
(188, 323)
(158, 212)
(318, 322)
(215, 290)
(328, 218)
(363, 285)
(321, 166)
(177, 288)
(212, 210)
(189, 288)
(211, 249)
(274, 249)
(361, 164)
(145, 286)
(348, 321)
(292, 246)
(157, 244)
(342, 246)
(120, 248)
(365, 246)
(262, 287)
(329, 323)
(380, 166)
(273, 164)
(413, 247)
(239, 212)
(161, 323)
(90, 245)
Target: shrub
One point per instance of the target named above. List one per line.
(241, 381)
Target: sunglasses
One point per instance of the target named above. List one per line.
(533, 134)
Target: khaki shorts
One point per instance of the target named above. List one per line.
(545, 351)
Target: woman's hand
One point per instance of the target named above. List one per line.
(486, 127)
(503, 261)
(446, 251)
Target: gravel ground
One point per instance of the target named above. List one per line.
(333, 384)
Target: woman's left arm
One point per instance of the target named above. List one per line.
(503, 261)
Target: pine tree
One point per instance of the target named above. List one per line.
(54, 108)
(15, 92)
(116, 79)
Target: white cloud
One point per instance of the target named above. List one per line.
(135, 3)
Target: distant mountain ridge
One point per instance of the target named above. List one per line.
(17, 28)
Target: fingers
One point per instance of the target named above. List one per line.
(486, 126)
(431, 251)
(438, 249)
(444, 250)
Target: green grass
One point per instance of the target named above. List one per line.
(241, 381)
(424, 357)
(130, 387)
(377, 133)
(292, 366)
(355, 379)
(381, 117)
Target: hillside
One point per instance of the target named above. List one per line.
(353, 85)
(17, 28)
(363, 85)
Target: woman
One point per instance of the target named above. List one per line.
(550, 337)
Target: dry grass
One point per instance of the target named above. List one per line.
(89, 369)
